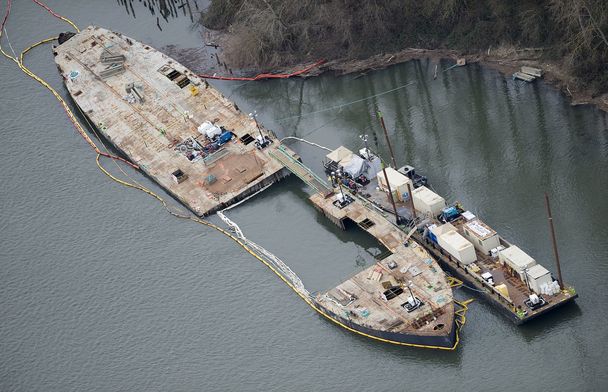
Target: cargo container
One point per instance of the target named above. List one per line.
(483, 238)
(516, 259)
(427, 202)
(537, 276)
(397, 181)
(438, 230)
(455, 244)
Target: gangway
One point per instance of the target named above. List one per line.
(287, 159)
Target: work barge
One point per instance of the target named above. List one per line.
(466, 247)
(200, 148)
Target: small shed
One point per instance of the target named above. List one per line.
(538, 276)
(398, 182)
(427, 202)
(455, 244)
(516, 259)
(481, 235)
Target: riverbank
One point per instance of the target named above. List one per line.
(505, 60)
(209, 59)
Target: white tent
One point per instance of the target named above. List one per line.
(351, 163)
(338, 154)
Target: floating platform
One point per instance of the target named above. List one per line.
(507, 291)
(150, 108)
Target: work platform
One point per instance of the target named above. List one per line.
(408, 265)
(150, 108)
(358, 302)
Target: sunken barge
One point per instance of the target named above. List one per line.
(200, 148)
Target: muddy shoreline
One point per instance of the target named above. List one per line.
(209, 60)
(506, 61)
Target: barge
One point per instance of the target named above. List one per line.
(511, 280)
(200, 148)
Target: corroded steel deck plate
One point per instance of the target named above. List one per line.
(358, 299)
(175, 102)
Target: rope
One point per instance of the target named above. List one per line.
(277, 262)
(27, 71)
(348, 103)
(264, 75)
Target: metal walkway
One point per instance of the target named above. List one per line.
(305, 174)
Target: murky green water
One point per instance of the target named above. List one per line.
(102, 290)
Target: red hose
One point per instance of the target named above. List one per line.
(265, 75)
(8, 11)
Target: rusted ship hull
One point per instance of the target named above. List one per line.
(447, 341)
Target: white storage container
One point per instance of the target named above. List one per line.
(516, 259)
(439, 230)
(458, 246)
(538, 276)
(427, 202)
(397, 181)
(481, 235)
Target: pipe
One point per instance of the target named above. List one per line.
(559, 270)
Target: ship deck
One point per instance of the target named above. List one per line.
(150, 132)
(513, 306)
(358, 298)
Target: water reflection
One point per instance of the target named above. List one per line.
(164, 10)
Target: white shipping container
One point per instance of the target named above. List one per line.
(427, 202)
(481, 235)
(516, 259)
(458, 246)
(439, 230)
(397, 181)
(537, 276)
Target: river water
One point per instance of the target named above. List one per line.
(101, 290)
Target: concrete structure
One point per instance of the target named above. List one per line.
(427, 202)
(538, 275)
(481, 235)
(516, 259)
(398, 183)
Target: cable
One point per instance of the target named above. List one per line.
(349, 103)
